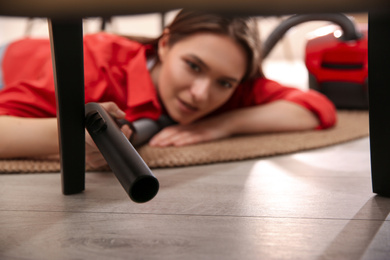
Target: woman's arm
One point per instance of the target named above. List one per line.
(276, 116)
(33, 137)
(27, 137)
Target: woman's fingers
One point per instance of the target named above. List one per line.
(164, 137)
(95, 160)
(198, 132)
(178, 136)
(126, 131)
(113, 109)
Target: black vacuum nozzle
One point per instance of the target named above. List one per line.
(128, 166)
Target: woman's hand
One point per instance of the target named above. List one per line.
(278, 116)
(205, 130)
(93, 156)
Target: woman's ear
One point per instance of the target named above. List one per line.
(163, 45)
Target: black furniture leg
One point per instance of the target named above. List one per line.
(379, 98)
(68, 66)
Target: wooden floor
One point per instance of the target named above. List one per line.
(309, 205)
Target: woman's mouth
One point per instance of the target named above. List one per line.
(186, 107)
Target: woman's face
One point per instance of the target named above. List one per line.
(198, 74)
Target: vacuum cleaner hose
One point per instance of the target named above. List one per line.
(350, 33)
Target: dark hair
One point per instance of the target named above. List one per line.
(243, 30)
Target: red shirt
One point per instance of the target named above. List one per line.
(115, 70)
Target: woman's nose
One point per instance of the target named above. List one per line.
(200, 89)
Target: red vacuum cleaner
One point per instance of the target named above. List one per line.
(337, 63)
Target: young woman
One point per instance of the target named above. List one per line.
(204, 72)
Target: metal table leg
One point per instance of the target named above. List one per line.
(68, 66)
(379, 97)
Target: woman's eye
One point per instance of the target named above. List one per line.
(193, 66)
(225, 84)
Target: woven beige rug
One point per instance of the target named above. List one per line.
(351, 125)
